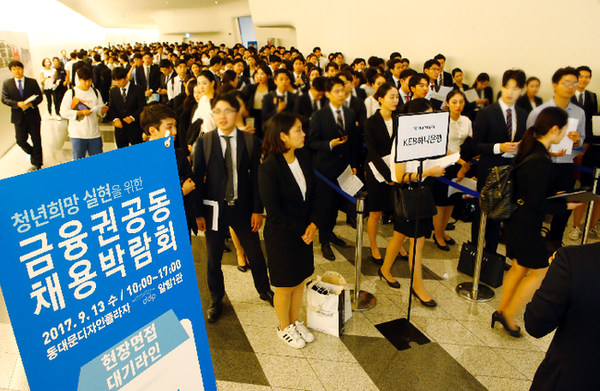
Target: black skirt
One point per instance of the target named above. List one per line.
(379, 195)
(291, 261)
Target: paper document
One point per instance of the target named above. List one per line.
(471, 95)
(98, 108)
(441, 94)
(443, 162)
(376, 173)
(349, 183)
(596, 125)
(566, 143)
(212, 222)
(29, 100)
(466, 182)
(154, 97)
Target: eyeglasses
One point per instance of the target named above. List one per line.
(569, 84)
(226, 112)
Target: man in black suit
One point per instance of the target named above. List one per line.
(148, 75)
(332, 139)
(215, 65)
(497, 131)
(280, 99)
(307, 104)
(404, 90)
(432, 69)
(300, 80)
(167, 75)
(587, 100)
(238, 68)
(101, 77)
(125, 106)
(444, 78)
(228, 160)
(567, 301)
(395, 69)
(25, 116)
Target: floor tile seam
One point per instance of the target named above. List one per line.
(323, 384)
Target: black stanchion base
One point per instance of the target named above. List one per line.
(400, 333)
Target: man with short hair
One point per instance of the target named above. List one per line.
(125, 106)
(432, 69)
(167, 74)
(404, 90)
(215, 65)
(564, 83)
(395, 68)
(25, 116)
(306, 104)
(279, 100)
(148, 75)
(300, 80)
(332, 69)
(226, 163)
(77, 107)
(444, 78)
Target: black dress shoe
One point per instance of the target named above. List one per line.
(450, 227)
(267, 296)
(403, 257)
(394, 284)
(499, 317)
(431, 303)
(214, 312)
(243, 269)
(376, 261)
(337, 241)
(443, 248)
(351, 221)
(327, 252)
(226, 249)
(450, 241)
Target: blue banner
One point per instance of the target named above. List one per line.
(98, 275)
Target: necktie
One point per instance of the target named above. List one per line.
(229, 165)
(440, 79)
(124, 93)
(509, 128)
(147, 78)
(398, 85)
(20, 87)
(340, 122)
(181, 87)
(315, 106)
(581, 99)
(407, 98)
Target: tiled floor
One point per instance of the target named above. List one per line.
(494, 359)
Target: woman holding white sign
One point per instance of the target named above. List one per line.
(406, 228)
(534, 180)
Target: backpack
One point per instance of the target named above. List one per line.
(496, 199)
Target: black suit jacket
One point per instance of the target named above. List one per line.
(303, 107)
(379, 142)
(489, 129)
(154, 77)
(448, 80)
(11, 97)
(360, 93)
(360, 110)
(269, 107)
(567, 301)
(249, 91)
(133, 105)
(590, 106)
(215, 175)
(304, 78)
(524, 103)
(323, 128)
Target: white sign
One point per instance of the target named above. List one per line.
(566, 143)
(421, 136)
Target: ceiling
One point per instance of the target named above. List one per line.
(136, 14)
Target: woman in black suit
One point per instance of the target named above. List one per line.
(185, 117)
(379, 131)
(530, 100)
(287, 183)
(254, 94)
(568, 302)
(534, 181)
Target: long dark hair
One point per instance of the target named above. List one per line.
(546, 120)
(280, 123)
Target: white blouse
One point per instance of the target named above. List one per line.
(258, 99)
(372, 106)
(299, 177)
(458, 133)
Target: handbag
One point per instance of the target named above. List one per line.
(405, 202)
(492, 265)
(464, 208)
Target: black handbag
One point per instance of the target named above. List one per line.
(405, 202)
(492, 265)
(464, 208)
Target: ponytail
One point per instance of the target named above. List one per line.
(526, 144)
(547, 119)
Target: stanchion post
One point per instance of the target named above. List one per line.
(474, 291)
(361, 300)
(588, 216)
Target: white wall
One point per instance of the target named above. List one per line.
(491, 36)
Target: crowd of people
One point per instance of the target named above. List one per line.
(251, 127)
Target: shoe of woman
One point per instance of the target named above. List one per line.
(431, 303)
(498, 317)
(395, 284)
(243, 268)
(376, 261)
(291, 336)
(450, 241)
(443, 248)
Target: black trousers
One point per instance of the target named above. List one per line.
(130, 134)
(30, 127)
(49, 94)
(250, 241)
(565, 182)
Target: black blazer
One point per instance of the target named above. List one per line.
(360, 93)
(154, 77)
(567, 301)
(448, 80)
(590, 106)
(304, 78)
(133, 105)
(287, 212)
(323, 128)
(524, 103)
(360, 110)
(250, 90)
(269, 107)
(489, 129)
(11, 97)
(215, 174)
(303, 107)
(379, 143)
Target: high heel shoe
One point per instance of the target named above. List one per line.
(431, 303)
(450, 241)
(498, 317)
(443, 248)
(244, 268)
(376, 261)
(403, 257)
(395, 284)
